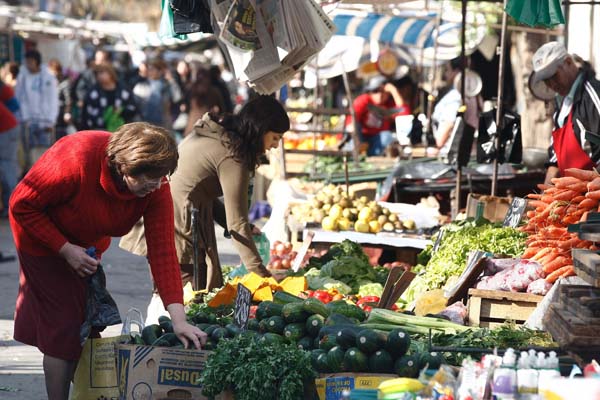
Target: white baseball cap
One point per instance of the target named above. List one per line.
(546, 61)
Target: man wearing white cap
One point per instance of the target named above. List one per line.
(555, 73)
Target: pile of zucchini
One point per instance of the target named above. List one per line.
(333, 334)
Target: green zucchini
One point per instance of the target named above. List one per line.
(398, 342)
(346, 338)
(150, 333)
(381, 362)
(407, 367)
(294, 332)
(335, 359)
(315, 306)
(275, 324)
(355, 360)
(314, 323)
(294, 312)
(368, 341)
(285, 298)
(165, 323)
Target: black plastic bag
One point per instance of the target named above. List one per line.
(511, 148)
(100, 308)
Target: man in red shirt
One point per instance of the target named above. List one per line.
(375, 112)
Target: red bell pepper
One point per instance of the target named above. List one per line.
(368, 299)
(322, 295)
(252, 313)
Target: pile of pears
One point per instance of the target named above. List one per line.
(335, 210)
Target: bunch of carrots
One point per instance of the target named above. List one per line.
(567, 201)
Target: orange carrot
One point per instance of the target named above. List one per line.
(555, 264)
(538, 203)
(542, 253)
(594, 185)
(577, 199)
(543, 186)
(534, 196)
(580, 187)
(556, 274)
(565, 195)
(588, 203)
(569, 272)
(569, 244)
(530, 214)
(530, 252)
(565, 181)
(584, 175)
(593, 195)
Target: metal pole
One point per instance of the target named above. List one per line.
(433, 71)
(592, 22)
(463, 58)
(195, 243)
(500, 99)
(354, 134)
(566, 28)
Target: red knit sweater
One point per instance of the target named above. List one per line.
(70, 195)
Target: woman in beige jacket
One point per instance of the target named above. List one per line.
(217, 159)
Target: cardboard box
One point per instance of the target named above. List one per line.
(159, 373)
(332, 386)
(494, 208)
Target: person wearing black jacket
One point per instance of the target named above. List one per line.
(578, 112)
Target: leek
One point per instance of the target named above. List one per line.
(408, 322)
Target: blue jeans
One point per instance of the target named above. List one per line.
(8, 162)
(377, 143)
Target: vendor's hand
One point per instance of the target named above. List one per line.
(78, 259)
(185, 331)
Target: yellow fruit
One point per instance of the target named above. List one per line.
(374, 226)
(365, 214)
(409, 224)
(388, 227)
(335, 211)
(329, 224)
(361, 226)
(344, 224)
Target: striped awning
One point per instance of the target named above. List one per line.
(416, 32)
(405, 31)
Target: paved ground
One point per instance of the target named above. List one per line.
(128, 280)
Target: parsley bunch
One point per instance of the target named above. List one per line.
(254, 370)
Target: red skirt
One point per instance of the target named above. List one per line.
(50, 306)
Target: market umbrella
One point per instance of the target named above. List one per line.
(546, 13)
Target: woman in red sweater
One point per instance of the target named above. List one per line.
(86, 188)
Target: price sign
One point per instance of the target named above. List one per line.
(242, 306)
(515, 212)
(438, 241)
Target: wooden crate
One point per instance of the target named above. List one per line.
(491, 308)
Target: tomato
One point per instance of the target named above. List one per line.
(394, 307)
(337, 297)
(322, 295)
(367, 308)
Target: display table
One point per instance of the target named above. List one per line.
(380, 239)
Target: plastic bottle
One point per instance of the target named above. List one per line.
(527, 377)
(549, 371)
(504, 383)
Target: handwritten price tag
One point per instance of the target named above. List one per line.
(515, 212)
(243, 301)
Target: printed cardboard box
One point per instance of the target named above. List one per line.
(332, 386)
(159, 373)
(494, 208)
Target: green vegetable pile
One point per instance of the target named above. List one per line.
(451, 257)
(502, 337)
(331, 165)
(257, 370)
(344, 267)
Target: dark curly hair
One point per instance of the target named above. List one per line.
(245, 131)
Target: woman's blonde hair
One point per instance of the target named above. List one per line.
(140, 148)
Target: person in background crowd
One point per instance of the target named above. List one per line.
(9, 136)
(577, 93)
(87, 79)
(155, 95)
(180, 110)
(37, 93)
(219, 83)
(65, 104)
(218, 159)
(139, 75)
(375, 112)
(105, 183)
(9, 73)
(109, 104)
(203, 99)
